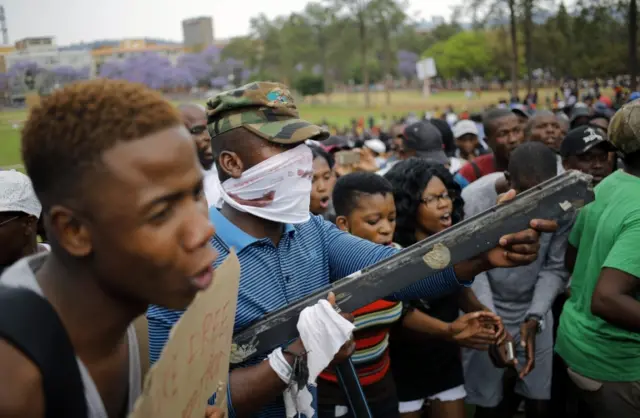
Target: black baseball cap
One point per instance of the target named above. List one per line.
(520, 110)
(582, 139)
(426, 140)
(578, 112)
(604, 114)
(336, 143)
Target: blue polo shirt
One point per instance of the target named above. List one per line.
(308, 258)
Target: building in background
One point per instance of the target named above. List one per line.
(45, 53)
(130, 48)
(197, 33)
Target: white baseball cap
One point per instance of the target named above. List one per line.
(376, 145)
(451, 118)
(464, 127)
(17, 195)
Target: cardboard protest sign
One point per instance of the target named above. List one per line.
(195, 361)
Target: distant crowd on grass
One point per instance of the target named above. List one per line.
(563, 102)
(462, 133)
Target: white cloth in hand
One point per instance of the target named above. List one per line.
(323, 332)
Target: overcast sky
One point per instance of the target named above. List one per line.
(72, 21)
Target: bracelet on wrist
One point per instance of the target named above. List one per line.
(300, 369)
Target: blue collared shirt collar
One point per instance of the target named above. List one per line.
(234, 236)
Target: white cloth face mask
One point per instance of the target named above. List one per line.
(278, 189)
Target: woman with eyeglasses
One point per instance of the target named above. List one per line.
(19, 213)
(428, 370)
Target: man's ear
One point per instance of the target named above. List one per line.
(231, 164)
(70, 231)
(342, 223)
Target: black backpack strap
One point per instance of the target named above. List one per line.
(29, 322)
(476, 169)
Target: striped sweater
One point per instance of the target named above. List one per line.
(371, 357)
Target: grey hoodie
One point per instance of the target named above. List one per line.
(516, 293)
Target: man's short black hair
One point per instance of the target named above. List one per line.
(350, 188)
(447, 136)
(530, 164)
(489, 118)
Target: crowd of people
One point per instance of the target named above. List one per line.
(139, 201)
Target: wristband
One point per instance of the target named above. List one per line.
(539, 321)
(280, 365)
(296, 375)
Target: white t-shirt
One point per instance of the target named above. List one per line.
(560, 166)
(211, 186)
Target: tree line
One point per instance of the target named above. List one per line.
(363, 42)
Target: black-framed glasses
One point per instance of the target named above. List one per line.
(431, 200)
(197, 130)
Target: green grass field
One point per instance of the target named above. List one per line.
(342, 108)
(10, 122)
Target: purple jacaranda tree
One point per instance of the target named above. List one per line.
(84, 73)
(111, 69)
(212, 54)
(150, 69)
(173, 77)
(156, 71)
(196, 65)
(67, 74)
(146, 68)
(19, 67)
(4, 81)
(219, 82)
(17, 72)
(202, 65)
(180, 77)
(407, 63)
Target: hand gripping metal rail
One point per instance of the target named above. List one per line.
(557, 199)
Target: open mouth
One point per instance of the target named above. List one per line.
(324, 202)
(203, 279)
(445, 219)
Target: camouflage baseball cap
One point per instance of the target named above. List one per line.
(264, 108)
(624, 128)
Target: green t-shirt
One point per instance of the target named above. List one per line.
(606, 234)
